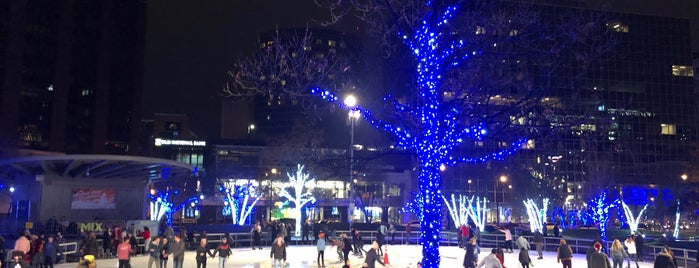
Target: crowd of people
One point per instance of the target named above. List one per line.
(631, 250)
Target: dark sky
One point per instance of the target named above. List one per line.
(190, 44)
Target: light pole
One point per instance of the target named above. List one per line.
(503, 179)
(352, 116)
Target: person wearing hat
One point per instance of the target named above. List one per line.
(88, 261)
(598, 259)
(17, 259)
(320, 245)
(665, 258)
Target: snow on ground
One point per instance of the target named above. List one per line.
(305, 256)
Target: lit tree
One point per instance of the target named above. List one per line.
(478, 212)
(676, 231)
(537, 217)
(162, 205)
(472, 77)
(598, 209)
(240, 199)
(414, 205)
(630, 219)
(300, 198)
(458, 210)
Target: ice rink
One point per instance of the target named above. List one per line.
(305, 256)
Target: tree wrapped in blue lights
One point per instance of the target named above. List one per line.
(162, 205)
(297, 182)
(414, 205)
(472, 78)
(598, 209)
(240, 200)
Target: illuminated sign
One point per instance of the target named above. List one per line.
(164, 142)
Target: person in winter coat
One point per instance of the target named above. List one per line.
(631, 249)
(200, 253)
(524, 257)
(256, 235)
(123, 252)
(591, 250)
(665, 259)
(346, 246)
(17, 259)
(501, 256)
(471, 257)
(490, 261)
(564, 254)
(146, 238)
(224, 251)
(321, 244)
(598, 259)
(618, 254)
(88, 261)
(164, 251)
(37, 252)
(89, 245)
(522, 242)
(638, 238)
(22, 244)
(372, 256)
(154, 252)
(177, 249)
(278, 253)
(539, 242)
(51, 250)
(107, 241)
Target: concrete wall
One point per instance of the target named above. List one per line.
(56, 198)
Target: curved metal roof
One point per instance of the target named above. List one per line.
(94, 166)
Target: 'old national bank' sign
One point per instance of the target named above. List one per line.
(166, 142)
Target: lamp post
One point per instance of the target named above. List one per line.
(353, 115)
(502, 179)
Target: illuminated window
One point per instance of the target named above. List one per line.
(307, 48)
(480, 30)
(514, 32)
(680, 70)
(668, 129)
(588, 127)
(618, 27)
(529, 145)
(331, 43)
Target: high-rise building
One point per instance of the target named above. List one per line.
(71, 75)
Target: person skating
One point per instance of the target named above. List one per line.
(618, 254)
(201, 252)
(123, 253)
(665, 259)
(223, 250)
(164, 251)
(278, 253)
(598, 259)
(500, 254)
(372, 256)
(17, 259)
(539, 242)
(346, 246)
(321, 245)
(37, 252)
(154, 252)
(631, 249)
(522, 242)
(524, 259)
(564, 254)
(88, 261)
(508, 238)
(490, 261)
(51, 251)
(177, 249)
(471, 257)
(638, 238)
(256, 235)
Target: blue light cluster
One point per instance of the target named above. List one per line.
(166, 207)
(439, 135)
(599, 212)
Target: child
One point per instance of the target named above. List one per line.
(524, 258)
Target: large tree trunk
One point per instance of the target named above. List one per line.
(431, 224)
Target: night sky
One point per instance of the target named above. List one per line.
(190, 45)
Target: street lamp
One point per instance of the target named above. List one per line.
(352, 116)
(684, 177)
(503, 179)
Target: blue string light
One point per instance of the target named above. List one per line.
(599, 212)
(166, 207)
(440, 134)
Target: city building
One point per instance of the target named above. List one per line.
(71, 75)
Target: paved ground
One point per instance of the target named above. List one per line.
(305, 256)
